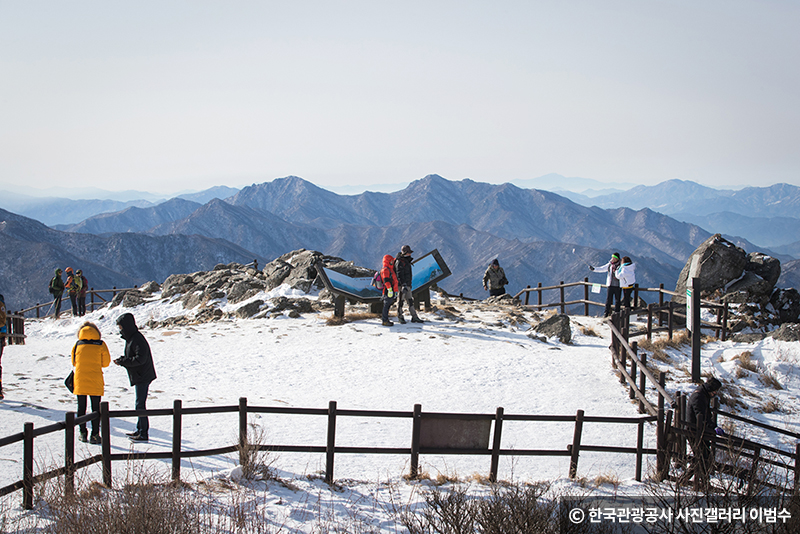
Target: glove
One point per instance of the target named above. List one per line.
(389, 292)
(591, 268)
(405, 288)
(718, 431)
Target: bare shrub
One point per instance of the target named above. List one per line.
(607, 478)
(746, 361)
(772, 405)
(589, 331)
(256, 461)
(660, 356)
(516, 509)
(770, 380)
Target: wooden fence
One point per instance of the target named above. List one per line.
(15, 329)
(465, 434)
(674, 430)
(95, 300)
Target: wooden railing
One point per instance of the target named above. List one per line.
(91, 304)
(420, 442)
(15, 329)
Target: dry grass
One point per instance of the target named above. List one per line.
(770, 380)
(589, 331)
(745, 360)
(660, 355)
(607, 479)
(772, 405)
(350, 317)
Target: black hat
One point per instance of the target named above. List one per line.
(405, 249)
(495, 262)
(712, 384)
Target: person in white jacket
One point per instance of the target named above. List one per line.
(612, 282)
(626, 273)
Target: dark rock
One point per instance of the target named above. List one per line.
(786, 304)
(787, 332)
(766, 267)
(208, 314)
(249, 309)
(275, 272)
(749, 288)
(716, 262)
(556, 326)
(128, 299)
(150, 287)
(748, 338)
(176, 284)
(503, 300)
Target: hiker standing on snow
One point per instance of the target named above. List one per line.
(138, 361)
(612, 282)
(89, 356)
(390, 287)
(56, 289)
(699, 407)
(626, 273)
(402, 268)
(82, 293)
(3, 332)
(494, 279)
(73, 286)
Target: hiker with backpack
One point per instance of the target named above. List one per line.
(56, 289)
(494, 279)
(89, 355)
(82, 292)
(73, 286)
(390, 287)
(402, 268)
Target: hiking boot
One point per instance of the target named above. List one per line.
(129, 434)
(416, 320)
(83, 437)
(388, 323)
(95, 439)
(139, 437)
(402, 320)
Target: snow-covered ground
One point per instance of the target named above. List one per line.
(465, 358)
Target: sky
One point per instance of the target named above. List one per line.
(171, 96)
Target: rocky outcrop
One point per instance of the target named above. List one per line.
(555, 326)
(727, 273)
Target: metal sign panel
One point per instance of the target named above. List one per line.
(427, 270)
(453, 433)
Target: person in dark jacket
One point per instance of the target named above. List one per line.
(56, 289)
(494, 279)
(82, 293)
(138, 361)
(3, 332)
(699, 409)
(402, 267)
(73, 285)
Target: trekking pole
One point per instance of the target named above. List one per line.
(51, 308)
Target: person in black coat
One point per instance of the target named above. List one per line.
(699, 409)
(138, 361)
(402, 267)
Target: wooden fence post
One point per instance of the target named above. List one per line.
(105, 429)
(331, 444)
(416, 425)
(242, 430)
(663, 449)
(796, 468)
(576, 445)
(642, 379)
(660, 304)
(539, 287)
(27, 466)
(725, 322)
(176, 440)
(586, 296)
(527, 294)
(632, 387)
(670, 319)
(69, 453)
(563, 298)
(650, 308)
(639, 450)
(91, 300)
(498, 428)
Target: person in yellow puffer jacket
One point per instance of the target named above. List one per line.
(89, 355)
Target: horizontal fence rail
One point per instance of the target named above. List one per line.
(96, 300)
(476, 434)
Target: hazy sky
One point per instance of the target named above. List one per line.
(167, 95)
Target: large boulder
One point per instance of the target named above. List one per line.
(764, 266)
(787, 332)
(556, 326)
(716, 262)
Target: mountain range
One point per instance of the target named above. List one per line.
(539, 236)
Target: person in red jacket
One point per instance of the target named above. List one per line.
(390, 287)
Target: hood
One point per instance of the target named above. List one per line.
(388, 260)
(89, 331)
(127, 325)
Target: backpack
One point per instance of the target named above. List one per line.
(377, 281)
